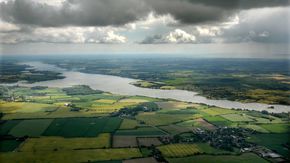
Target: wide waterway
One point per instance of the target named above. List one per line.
(122, 86)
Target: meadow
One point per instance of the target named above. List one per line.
(249, 157)
(78, 124)
(59, 143)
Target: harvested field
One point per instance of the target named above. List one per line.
(147, 142)
(124, 141)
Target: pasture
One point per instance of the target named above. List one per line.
(6, 126)
(179, 150)
(31, 128)
(182, 150)
(277, 127)
(128, 124)
(255, 127)
(218, 111)
(9, 145)
(275, 142)
(141, 131)
(218, 121)
(82, 127)
(71, 155)
(24, 107)
(175, 129)
(199, 122)
(248, 157)
(238, 117)
(60, 143)
(156, 119)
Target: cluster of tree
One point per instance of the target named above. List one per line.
(80, 90)
(133, 111)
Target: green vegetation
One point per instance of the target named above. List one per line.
(72, 155)
(80, 90)
(9, 145)
(182, 150)
(264, 81)
(59, 143)
(162, 119)
(248, 157)
(141, 131)
(238, 117)
(128, 124)
(78, 124)
(82, 127)
(277, 128)
(276, 142)
(30, 127)
(6, 126)
(12, 72)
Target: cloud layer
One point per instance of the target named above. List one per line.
(176, 36)
(112, 12)
(144, 21)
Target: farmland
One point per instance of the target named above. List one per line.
(71, 155)
(82, 127)
(141, 131)
(220, 159)
(124, 141)
(79, 124)
(214, 78)
(60, 143)
(182, 150)
(30, 127)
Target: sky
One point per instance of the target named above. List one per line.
(194, 28)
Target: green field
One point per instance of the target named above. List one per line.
(182, 150)
(141, 131)
(128, 124)
(218, 121)
(24, 107)
(6, 126)
(59, 143)
(277, 128)
(30, 127)
(255, 127)
(238, 117)
(56, 133)
(163, 119)
(275, 142)
(217, 111)
(248, 157)
(71, 155)
(82, 127)
(9, 145)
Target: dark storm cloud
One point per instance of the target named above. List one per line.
(119, 12)
(73, 12)
(200, 11)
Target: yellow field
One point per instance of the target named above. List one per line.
(179, 150)
(163, 119)
(175, 105)
(128, 124)
(105, 101)
(23, 107)
(110, 107)
(71, 155)
(59, 143)
(133, 100)
(218, 111)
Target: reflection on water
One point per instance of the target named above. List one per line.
(120, 85)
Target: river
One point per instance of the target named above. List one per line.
(122, 86)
